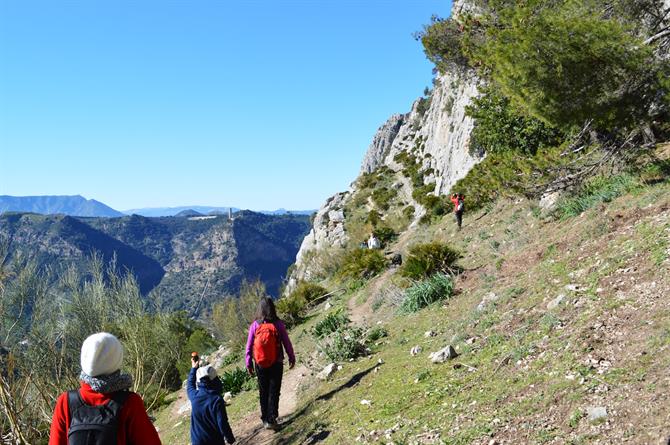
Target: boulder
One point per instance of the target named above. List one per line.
(596, 412)
(327, 371)
(444, 354)
(487, 300)
(553, 304)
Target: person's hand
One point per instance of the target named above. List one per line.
(250, 370)
(291, 365)
(194, 362)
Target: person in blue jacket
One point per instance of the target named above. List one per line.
(209, 421)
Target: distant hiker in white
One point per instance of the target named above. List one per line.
(373, 242)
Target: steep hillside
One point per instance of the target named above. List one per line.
(186, 262)
(52, 205)
(561, 329)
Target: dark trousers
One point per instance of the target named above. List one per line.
(459, 218)
(269, 387)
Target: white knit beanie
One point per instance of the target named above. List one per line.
(205, 371)
(101, 354)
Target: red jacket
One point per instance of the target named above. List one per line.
(134, 423)
(455, 201)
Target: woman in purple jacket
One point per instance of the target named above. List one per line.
(268, 329)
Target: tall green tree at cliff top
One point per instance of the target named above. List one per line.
(568, 62)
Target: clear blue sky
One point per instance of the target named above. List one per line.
(255, 104)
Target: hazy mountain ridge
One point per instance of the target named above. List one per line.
(182, 261)
(75, 205)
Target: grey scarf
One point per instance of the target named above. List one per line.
(113, 382)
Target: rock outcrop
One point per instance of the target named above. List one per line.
(436, 131)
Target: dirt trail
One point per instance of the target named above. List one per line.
(249, 429)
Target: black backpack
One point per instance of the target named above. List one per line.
(94, 425)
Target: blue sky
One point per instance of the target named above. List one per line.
(257, 104)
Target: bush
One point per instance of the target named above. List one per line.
(567, 62)
(426, 259)
(308, 291)
(236, 380)
(436, 288)
(291, 309)
(344, 344)
(363, 264)
(597, 190)
(500, 128)
(231, 317)
(384, 234)
(383, 196)
(330, 323)
(376, 334)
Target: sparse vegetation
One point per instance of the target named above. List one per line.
(435, 288)
(363, 264)
(330, 323)
(237, 380)
(344, 344)
(427, 259)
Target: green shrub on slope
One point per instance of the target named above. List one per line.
(595, 191)
(437, 287)
(363, 264)
(425, 260)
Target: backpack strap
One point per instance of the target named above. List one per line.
(74, 402)
(115, 403)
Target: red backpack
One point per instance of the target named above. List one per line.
(266, 344)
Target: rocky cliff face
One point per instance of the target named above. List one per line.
(436, 131)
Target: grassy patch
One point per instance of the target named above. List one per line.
(436, 288)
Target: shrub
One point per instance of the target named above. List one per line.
(344, 344)
(382, 197)
(408, 212)
(500, 128)
(330, 323)
(426, 259)
(597, 190)
(236, 380)
(384, 234)
(231, 317)
(308, 291)
(375, 334)
(291, 309)
(437, 287)
(567, 62)
(363, 264)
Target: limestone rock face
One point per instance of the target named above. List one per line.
(437, 133)
(381, 143)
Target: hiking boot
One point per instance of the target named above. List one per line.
(267, 425)
(274, 426)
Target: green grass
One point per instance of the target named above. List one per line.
(424, 293)
(601, 189)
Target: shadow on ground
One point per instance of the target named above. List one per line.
(318, 431)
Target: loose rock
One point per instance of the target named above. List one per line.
(415, 350)
(553, 304)
(327, 371)
(596, 412)
(443, 355)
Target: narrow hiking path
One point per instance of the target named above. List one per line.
(249, 430)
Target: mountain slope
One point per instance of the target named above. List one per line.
(185, 263)
(51, 205)
(554, 321)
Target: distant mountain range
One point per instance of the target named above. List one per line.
(182, 262)
(79, 206)
(66, 205)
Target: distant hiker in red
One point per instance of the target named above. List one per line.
(265, 358)
(102, 411)
(459, 207)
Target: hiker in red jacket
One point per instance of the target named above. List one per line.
(102, 410)
(459, 207)
(265, 358)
